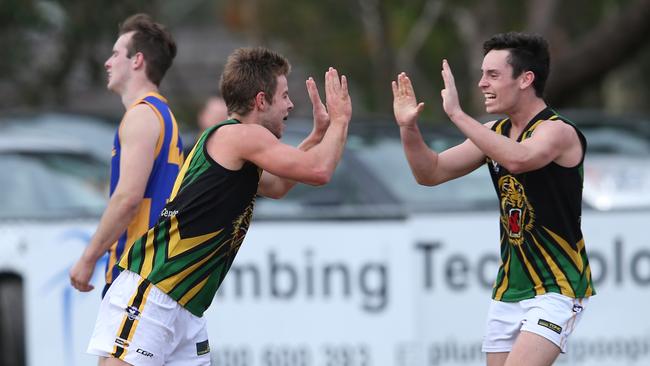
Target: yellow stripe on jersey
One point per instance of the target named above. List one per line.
(167, 285)
(560, 278)
(193, 291)
(179, 246)
(589, 291)
(181, 174)
(147, 261)
(138, 227)
(531, 128)
(571, 253)
(539, 287)
(504, 283)
(161, 135)
(499, 128)
(581, 245)
(175, 154)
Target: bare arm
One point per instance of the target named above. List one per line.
(551, 141)
(273, 186)
(138, 137)
(428, 167)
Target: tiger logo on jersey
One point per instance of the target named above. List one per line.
(240, 227)
(517, 215)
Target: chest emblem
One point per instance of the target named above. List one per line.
(517, 214)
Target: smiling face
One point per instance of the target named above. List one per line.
(277, 111)
(118, 66)
(500, 89)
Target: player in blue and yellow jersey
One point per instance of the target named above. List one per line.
(535, 158)
(152, 314)
(166, 164)
(147, 150)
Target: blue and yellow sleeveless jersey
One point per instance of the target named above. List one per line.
(167, 163)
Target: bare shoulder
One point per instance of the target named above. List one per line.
(141, 113)
(560, 137)
(241, 134)
(558, 128)
(140, 121)
(231, 145)
(564, 138)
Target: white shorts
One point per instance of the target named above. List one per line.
(551, 315)
(142, 325)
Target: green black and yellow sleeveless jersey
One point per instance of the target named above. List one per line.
(542, 247)
(191, 248)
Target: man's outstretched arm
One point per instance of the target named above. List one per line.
(428, 167)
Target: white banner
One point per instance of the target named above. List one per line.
(352, 293)
(411, 293)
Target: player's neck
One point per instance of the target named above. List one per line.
(250, 117)
(136, 91)
(524, 112)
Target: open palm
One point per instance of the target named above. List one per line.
(321, 116)
(449, 94)
(337, 97)
(405, 105)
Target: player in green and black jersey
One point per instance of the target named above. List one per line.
(535, 158)
(171, 274)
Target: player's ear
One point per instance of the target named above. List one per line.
(260, 101)
(137, 60)
(526, 79)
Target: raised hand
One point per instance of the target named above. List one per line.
(321, 117)
(449, 94)
(405, 105)
(337, 98)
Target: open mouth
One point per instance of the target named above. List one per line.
(489, 96)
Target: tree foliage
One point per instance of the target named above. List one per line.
(50, 40)
(373, 40)
(53, 45)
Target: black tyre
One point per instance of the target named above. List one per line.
(12, 321)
